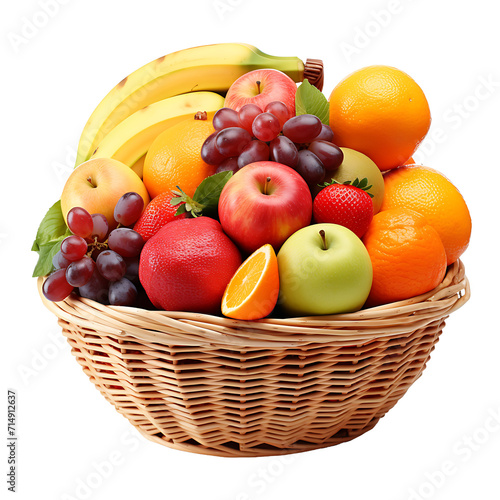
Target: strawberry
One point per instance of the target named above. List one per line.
(157, 213)
(346, 205)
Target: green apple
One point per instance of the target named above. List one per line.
(324, 269)
(357, 165)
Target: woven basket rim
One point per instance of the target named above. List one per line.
(177, 327)
(217, 386)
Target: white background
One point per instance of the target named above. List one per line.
(54, 79)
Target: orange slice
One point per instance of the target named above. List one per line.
(253, 291)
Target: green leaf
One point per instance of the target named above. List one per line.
(52, 225)
(362, 184)
(51, 232)
(186, 203)
(177, 199)
(310, 100)
(206, 197)
(45, 254)
(181, 210)
(209, 190)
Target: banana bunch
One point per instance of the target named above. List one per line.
(131, 138)
(167, 90)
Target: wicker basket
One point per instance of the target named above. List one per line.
(216, 386)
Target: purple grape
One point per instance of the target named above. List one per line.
(228, 164)
(128, 208)
(111, 265)
(80, 222)
(55, 260)
(132, 270)
(225, 118)
(209, 152)
(101, 227)
(331, 156)
(125, 242)
(96, 288)
(122, 293)
(310, 167)
(326, 134)
(59, 262)
(302, 128)
(73, 248)
(232, 140)
(55, 287)
(284, 151)
(79, 272)
(266, 127)
(279, 110)
(254, 151)
(247, 115)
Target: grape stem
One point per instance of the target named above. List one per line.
(96, 245)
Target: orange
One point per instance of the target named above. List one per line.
(431, 194)
(253, 291)
(382, 112)
(407, 254)
(174, 158)
(157, 213)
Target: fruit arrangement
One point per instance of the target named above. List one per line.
(252, 196)
(222, 216)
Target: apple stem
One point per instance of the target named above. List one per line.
(268, 180)
(323, 237)
(89, 180)
(258, 86)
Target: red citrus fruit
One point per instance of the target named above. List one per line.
(187, 265)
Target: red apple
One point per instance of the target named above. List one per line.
(264, 202)
(261, 87)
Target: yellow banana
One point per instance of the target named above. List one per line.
(132, 137)
(138, 166)
(209, 67)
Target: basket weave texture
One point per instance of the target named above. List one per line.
(217, 386)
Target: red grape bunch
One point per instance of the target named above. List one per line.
(301, 142)
(103, 265)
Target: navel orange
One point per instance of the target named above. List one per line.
(381, 112)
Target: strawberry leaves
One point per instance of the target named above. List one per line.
(206, 197)
(361, 184)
